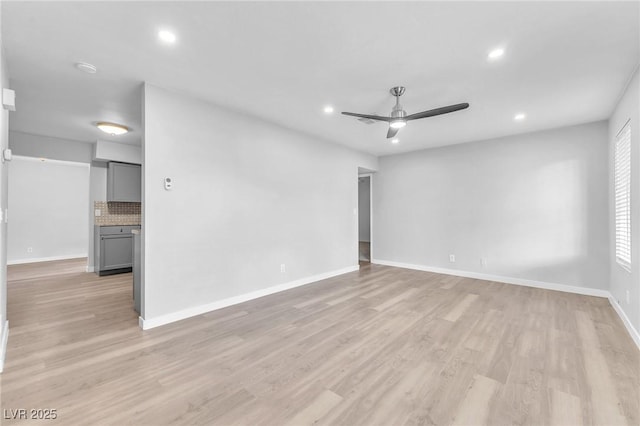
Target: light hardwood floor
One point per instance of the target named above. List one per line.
(382, 346)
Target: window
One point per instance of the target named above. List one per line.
(622, 189)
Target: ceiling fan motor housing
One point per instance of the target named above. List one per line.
(398, 112)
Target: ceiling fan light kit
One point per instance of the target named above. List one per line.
(398, 117)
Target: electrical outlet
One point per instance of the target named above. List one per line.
(98, 212)
(283, 268)
(452, 258)
(483, 262)
(628, 297)
(29, 249)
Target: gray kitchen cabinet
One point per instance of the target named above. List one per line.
(116, 252)
(113, 249)
(124, 182)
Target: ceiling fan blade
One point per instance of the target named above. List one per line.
(437, 111)
(370, 117)
(392, 132)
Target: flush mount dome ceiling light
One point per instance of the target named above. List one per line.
(88, 68)
(112, 128)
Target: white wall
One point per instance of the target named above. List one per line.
(31, 145)
(49, 204)
(248, 196)
(364, 209)
(112, 151)
(4, 143)
(534, 206)
(628, 109)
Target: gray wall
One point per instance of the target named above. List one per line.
(248, 196)
(534, 206)
(621, 280)
(364, 209)
(97, 192)
(49, 203)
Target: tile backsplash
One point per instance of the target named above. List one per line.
(114, 213)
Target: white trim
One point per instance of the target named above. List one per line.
(52, 161)
(3, 344)
(46, 259)
(625, 320)
(501, 279)
(90, 269)
(149, 323)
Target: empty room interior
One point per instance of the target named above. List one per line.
(331, 213)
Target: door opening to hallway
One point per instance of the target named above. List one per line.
(364, 220)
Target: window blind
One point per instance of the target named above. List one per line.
(622, 190)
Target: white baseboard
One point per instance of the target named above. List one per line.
(149, 323)
(625, 320)
(90, 269)
(497, 278)
(3, 344)
(45, 259)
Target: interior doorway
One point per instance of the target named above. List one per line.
(364, 219)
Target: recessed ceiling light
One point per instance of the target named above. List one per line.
(112, 128)
(496, 53)
(395, 141)
(519, 117)
(88, 68)
(167, 36)
(328, 109)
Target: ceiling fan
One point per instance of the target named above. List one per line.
(398, 118)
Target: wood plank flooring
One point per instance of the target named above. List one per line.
(382, 346)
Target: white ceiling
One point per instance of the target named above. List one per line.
(565, 63)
